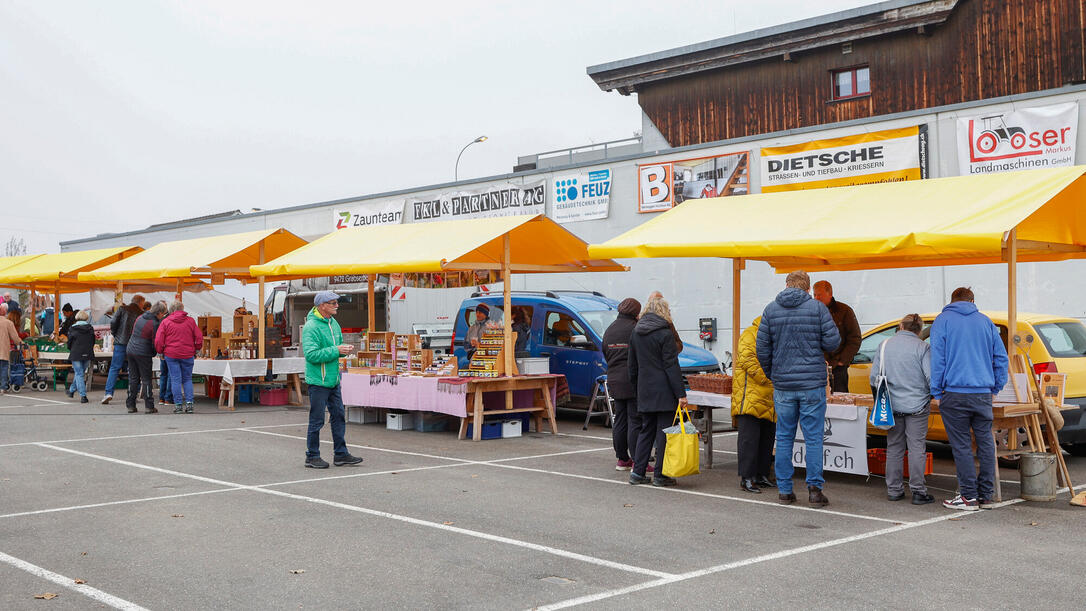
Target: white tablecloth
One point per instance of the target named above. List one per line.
(228, 369)
(291, 364)
(708, 399)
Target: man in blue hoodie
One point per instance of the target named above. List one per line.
(795, 332)
(968, 366)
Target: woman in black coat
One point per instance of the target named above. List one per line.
(81, 353)
(616, 349)
(655, 373)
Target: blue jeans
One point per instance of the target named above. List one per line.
(180, 379)
(5, 374)
(79, 370)
(807, 409)
(965, 413)
(164, 393)
(115, 366)
(321, 398)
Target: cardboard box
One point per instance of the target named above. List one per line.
(400, 422)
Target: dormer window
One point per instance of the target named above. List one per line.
(851, 82)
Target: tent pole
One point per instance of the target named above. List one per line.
(371, 303)
(507, 325)
(33, 298)
(179, 281)
(260, 312)
(1012, 288)
(56, 309)
(737, 268)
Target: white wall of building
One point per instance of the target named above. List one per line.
(702, 287)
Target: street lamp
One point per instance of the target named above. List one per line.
(456, 170)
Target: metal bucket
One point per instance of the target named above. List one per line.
(1038, 476)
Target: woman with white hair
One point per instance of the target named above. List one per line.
(81, 349)
(654, 371)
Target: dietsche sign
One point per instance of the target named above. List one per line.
(1028, 138)
(884, 156)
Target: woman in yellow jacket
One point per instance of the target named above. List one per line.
(753, 415)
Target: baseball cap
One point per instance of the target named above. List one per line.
(324, 297)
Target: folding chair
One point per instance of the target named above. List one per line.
(597, 395)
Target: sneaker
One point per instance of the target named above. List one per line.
(897, 497)
(816, 498)
(346, 459)
(84, 399)
(922, 498)
(162, 402)
(150, 410)
(961, 504)
(636, 480)
(70, 393)
(188, 408)
(986, 503)
(315, 462)
(624, 465)
(662, 480)
(786, 499)
(106, 399)
(178, 409)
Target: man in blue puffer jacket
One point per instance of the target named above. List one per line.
(795, 333)
(968, 366)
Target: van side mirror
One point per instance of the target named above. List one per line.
(580, 341)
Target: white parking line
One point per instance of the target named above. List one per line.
(383, 514)
(31, 398)
(68, 582)
(138, 435)
(110, 503)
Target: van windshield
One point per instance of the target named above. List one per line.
(599, 319)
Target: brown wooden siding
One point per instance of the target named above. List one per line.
(986, 49)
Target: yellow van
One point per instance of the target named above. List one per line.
(1059, 345)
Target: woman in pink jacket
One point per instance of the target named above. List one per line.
(178, 340)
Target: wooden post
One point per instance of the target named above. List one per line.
(371, 303)
(33, 311)
(507, 324)
(1012, 289)
(56, 309)
(737, 269)
(180, 282)
(260, 313)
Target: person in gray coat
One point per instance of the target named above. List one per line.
(905, 360)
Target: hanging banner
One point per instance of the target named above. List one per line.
(581, 197)
(1041, 137)
(662, 186)
(495, 200)
(369, 213)
(885, 156)
(844, 441)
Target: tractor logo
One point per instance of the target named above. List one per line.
(996, 131)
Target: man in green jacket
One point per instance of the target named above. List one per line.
(322, 341)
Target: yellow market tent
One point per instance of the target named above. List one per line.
(214, 259)
(525, 244)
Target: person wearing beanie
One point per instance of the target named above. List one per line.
(475, 331)
(616, 350)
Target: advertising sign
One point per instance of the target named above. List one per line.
(368, 213)
(581, 197)
(844, 442)
(885, 156)
(1039, 137)
(662, 186)
(495, 200)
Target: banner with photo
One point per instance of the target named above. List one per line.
(1041, 137)
(368, 213)
(885, 156)
(495, 200)
(581, 197)
(664, 185)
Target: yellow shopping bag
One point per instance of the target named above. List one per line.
(681, 454)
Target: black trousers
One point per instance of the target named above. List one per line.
(755, 446)
(652, 432)
(625, 428)
(840, 379)
(140, 376)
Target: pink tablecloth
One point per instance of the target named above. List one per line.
(416, 393)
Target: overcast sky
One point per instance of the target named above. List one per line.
(118, 114)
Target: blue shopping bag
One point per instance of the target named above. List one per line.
(882, 415)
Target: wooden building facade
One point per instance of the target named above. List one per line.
(918, 54)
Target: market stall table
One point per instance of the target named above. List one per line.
(706, 402)
(59, 360)
(229, 369)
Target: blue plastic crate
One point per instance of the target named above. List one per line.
(245, 394)
(492, 429)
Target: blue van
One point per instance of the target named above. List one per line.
(568, 327)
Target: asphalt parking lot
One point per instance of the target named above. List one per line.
(215, 510)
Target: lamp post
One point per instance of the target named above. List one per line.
(456, 170)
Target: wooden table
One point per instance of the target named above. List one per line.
(542, 385)
(705, 402)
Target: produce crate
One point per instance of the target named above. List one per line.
(400, 422)
(274, 396)
(711, 382)
(876, 462)
(426, 422)
(491, 430)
